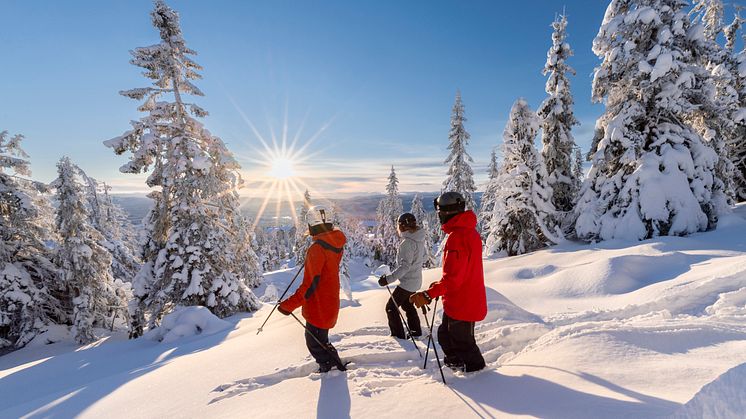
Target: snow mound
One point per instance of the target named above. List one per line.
(501, 309)
(185, 322)
(271, 294)
(52, 334)
(613, 275)
(722, 398)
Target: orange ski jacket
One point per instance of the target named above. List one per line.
(319, 291)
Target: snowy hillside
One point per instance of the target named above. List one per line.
(607, 330)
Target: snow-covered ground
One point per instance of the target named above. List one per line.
(649, 329)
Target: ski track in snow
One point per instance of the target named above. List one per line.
(369, 372)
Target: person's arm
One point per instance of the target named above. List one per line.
(455, 263)
(405, 260)
(311, 276)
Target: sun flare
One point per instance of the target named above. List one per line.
(282, 168)
(281, 162)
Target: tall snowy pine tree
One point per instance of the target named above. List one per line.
(651, 173)
(716, 99)
(388, 211)
(302, 239)
(557, 120)
(577, 170)
(30, 283)
(188, 260)
(85, 264)
(737, 66)
(522, 217)
(117, 234)
(460, 176)
(489, 195)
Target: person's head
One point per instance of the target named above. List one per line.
(319, 219)
(406, 222)
(448, 205)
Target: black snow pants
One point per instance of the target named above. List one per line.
(318, 352)
(401, 299)
(456, 337)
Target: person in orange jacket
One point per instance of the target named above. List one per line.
(461, 286)
(318, 294)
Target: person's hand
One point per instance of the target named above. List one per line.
(382, 281)
(420, 299)
(283, 310)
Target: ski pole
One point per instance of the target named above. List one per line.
(430, 338)
(334, 355)
(279, 300)
(403, 321)
(429, 335)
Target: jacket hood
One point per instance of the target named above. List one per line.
(335, 238)
(418, 236)
(466, 219)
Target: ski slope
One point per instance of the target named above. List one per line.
(644, 329)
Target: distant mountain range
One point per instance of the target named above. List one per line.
(363, 206)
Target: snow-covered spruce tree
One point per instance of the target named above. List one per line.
(715, 99)
(557, 120)
(460, 176)
(116, 232)
(651, 174)
(522, 217)
(737, 67)
(187, 261)
(302, 240)
(248, 265)
(577, 171)
(388, 211)
(238, 259)
(423, 222)
(488, 197)
(29, 281)
(341, 221)
(85, 264)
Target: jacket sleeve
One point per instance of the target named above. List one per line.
(311, 276)
(404, 260)
(455, 264)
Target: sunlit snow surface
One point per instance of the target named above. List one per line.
(604, 330)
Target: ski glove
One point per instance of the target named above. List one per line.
(282, 310)
(420, 299)
(382, 281)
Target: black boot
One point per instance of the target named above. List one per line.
(324, 367)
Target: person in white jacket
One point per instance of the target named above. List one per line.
(410, 257)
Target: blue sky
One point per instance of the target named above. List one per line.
(376, 80)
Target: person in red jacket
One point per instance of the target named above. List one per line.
(319, 292)
(461, 286)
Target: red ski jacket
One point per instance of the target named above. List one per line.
(462, 284)
(319, 292)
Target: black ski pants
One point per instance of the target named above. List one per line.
(456, 337)
(321, 355)
(401, 299)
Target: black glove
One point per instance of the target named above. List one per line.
(382, 281)
(282, 310)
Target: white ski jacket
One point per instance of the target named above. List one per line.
(409, 259)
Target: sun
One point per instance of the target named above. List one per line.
(282, 168)
(282, 161)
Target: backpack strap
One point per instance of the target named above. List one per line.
(327, 246)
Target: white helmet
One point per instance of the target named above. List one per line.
(318, 215)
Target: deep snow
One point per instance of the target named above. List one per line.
(605, 330)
